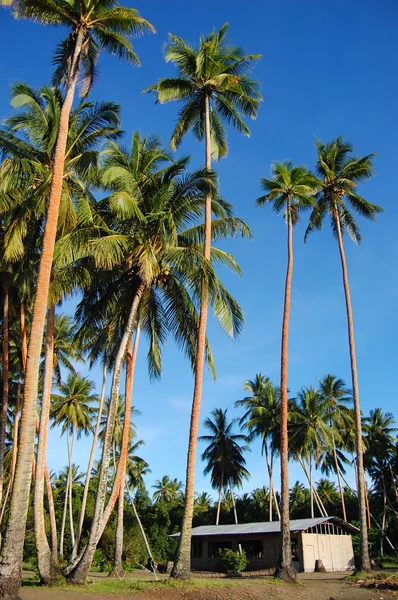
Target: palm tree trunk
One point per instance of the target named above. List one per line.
(4, 405)
(70, 455)
(11, 555)
(131, 355)
(63, 523)
(270, 480)
(367, 505)
(336, 465)
(48, 569)
(285, 568)
(234, 505)
(383, 523)
(78, 573)
(117, 570)
(182, 564)
(318, 500)
(311, 489)
(14, 449)
(90, 465)
(148, 549)
(219, 499)
(125, 441)
(51, 512)
(364, 560)
(24, 337)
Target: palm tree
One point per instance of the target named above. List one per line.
(340, 172)
(148, 259)
(224, 454)
(30, 137)
(167, 490)
(337, 396)
(380, 443)
(71, 409)
(291, 189)
(103, 25)
(214, 85)
(262, 419)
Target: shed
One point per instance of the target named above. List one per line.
(325, 538)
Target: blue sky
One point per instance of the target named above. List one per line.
(327, 68)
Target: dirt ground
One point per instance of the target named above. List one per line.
(315, 589)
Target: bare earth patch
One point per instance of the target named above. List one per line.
(322, 589)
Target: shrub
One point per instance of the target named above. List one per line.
(232, 562)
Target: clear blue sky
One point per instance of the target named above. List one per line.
(327, 68)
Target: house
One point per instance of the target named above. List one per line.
(325, 538)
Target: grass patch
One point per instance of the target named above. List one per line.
(130, 585)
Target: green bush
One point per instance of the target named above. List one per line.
(232, 562)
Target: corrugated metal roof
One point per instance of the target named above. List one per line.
(268, 527)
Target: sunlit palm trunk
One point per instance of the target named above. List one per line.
(182, 564)
(90, 466)
(131, 358)
(11, 555)
(4, 406)
(364, 560)
(219, 499)
(318, 500)
(78, 572)
(285, 568)
(48, 570)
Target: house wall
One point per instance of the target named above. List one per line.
(335, 551)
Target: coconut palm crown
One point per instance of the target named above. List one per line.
(217, 72)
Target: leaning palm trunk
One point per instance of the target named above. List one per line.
(148, 549)
(71, 446)
(63, 523)
(182, 564)
(234, 505)
(364, 560)
(285, 569)
(336, 466)
(130, 367)
(11, 555)
(318, 500)
(51, 512)
(48, 569)
(219, 499)
(14, 449)
(90, 466)
(4, 406)
(79, 572)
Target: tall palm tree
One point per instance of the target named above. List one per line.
(29, 138)
(224, 454)
(72, 411)
(214, 85)
(153, 267)
(290, 190)
(104, 25)
(262, 419)
(340, 172)
(337, 396)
